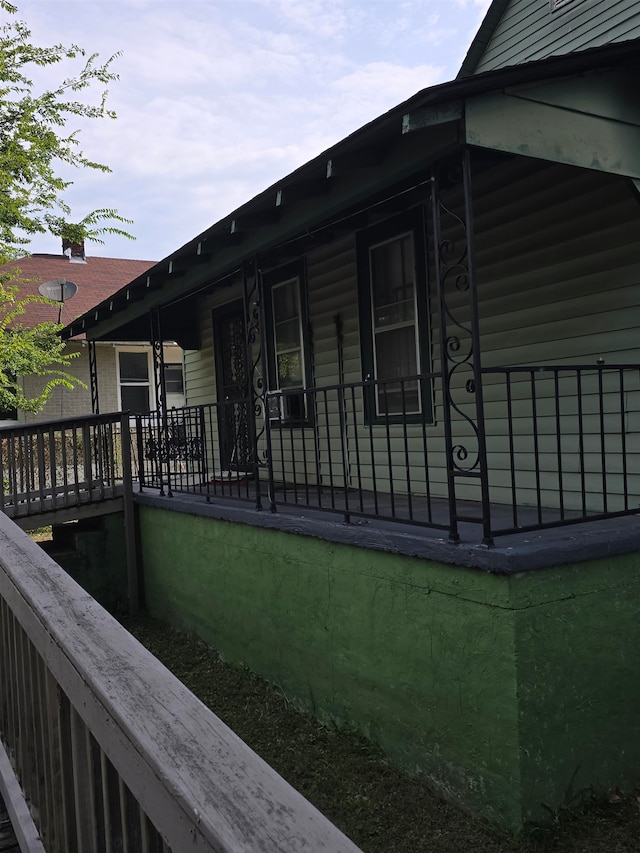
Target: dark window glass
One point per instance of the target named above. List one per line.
(135, 399)
(8, 414)
(173, 379)
(134, 367)
(396, 358)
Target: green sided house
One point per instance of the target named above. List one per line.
(406, 481)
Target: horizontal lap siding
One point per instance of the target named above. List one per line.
(332, 292)
(560, 286)
(558, 263)
(530, 31)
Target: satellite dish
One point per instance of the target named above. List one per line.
(60, 290)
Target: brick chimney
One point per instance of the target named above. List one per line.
(75, 251)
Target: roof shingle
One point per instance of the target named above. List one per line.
(97, 279)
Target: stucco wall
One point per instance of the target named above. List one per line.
(510, 693)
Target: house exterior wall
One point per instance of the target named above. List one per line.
(557, 253)
(499, 689)
(558, 284)
(69, 403)
(532, 29)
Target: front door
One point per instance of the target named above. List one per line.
(232, 379)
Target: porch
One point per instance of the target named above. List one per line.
(559, 450)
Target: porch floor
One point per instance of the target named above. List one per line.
(404, 526)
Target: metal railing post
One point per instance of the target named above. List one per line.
(133, 579)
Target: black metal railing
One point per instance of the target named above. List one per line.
(60, 464)
(562, 446)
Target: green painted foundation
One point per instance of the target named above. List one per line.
(513, 694)
(93, 552)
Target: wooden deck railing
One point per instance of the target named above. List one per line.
(112, 752)
(55, 465)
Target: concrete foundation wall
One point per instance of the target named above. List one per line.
(511, 693)
(93, 552)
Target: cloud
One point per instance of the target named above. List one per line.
(219, 99)
(384, 82)
(320, 18)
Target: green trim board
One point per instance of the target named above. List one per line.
(562, 132)
(507, 692)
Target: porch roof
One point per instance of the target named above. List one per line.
(329, 193)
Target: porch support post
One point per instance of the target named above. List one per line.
(133, 575)
(462, 400)
(255, 391)
(93, 378)
(158, 360)
(263, 386)
(161, 408)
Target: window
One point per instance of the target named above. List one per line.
(135, 388)
(289, 359)
(173, 379)
(394, 322)
(173, 385)
(8, 414)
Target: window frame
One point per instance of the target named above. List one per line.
(177, 366)
(271, 280)
(149, 383)
(411, 222)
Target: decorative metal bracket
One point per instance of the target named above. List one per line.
(93, 378)
(253, 292)
(462, 403)
(158, 361)
(159, 386)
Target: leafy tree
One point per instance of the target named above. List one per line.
(34, 145)
(27, 351)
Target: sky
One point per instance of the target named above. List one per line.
(218, 99)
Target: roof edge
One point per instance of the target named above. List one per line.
(481, 39)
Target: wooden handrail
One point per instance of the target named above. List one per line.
(192, 782)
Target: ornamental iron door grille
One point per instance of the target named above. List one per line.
(232, 381)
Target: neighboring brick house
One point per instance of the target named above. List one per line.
(125, 372)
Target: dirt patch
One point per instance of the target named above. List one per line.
(380, 808)
(41, 534)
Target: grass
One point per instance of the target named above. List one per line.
(41, 534)
(380, 808)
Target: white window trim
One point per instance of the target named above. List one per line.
(301, 343)
(393, 326)
(150, 383)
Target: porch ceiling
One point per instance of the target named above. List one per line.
(389, 156)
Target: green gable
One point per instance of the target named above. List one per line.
(518, 31)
